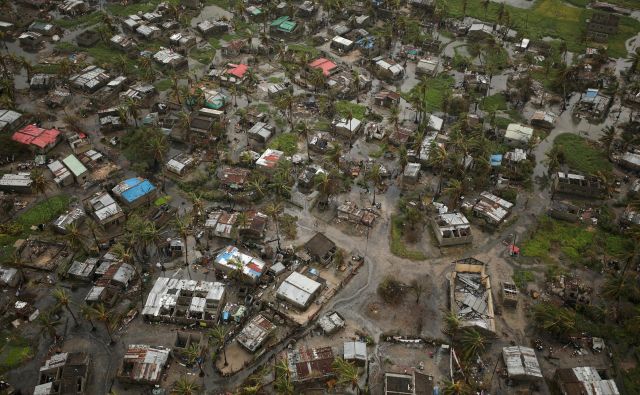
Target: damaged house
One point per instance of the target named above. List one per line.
(183, 302)
(470, 296)
(143, 364)
(451, 229)
(573, 183)
(255, 332)
(492, 208)
(64, 374)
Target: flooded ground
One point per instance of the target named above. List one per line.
(211, 12)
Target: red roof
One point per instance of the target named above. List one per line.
(324, 64)
(34, 135)
(238, 70)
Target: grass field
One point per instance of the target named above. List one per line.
(163, 85)
(42, 213)
(576, 243)
(14, 351)
(79, 21)
(397, 245)
(495, 102)
(344, 107)
(437, 90)
(285, 142)
(581, 154)
(553, 18)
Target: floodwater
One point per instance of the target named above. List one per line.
(211, 12)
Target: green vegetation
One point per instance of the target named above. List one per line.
(436, 90)
(226, 4)
(104, 56)
(44, 212)
(581, 154)
(162, 200)
(133, 8)
(41, 213)
(302, 48)
(285, 142)
(494, 103)
(66, 47)
(344, 108)
(522, 277)
(14, 351)
(163, 85)
(322, 125)
(573, 242)
(203, 55)
(79, 21)
(553, 18)
(398, 246)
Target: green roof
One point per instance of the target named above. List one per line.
(256, 11)
(75, 166)
(287, 26)
(280, 21)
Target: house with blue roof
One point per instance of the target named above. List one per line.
(134, 192)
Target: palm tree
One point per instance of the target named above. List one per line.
(285, 103)
(218, 334)
(473, 343)
(324, 183)
(394, 116)
(184, 386)
(182, 226)
(356, 83)
(608, 137)
(454, 191)
(132, 107)
(317, 79)
(457, 388)
(159, 147)
(241, 223)
(64, 300)
(555, 156)
(192, 353)
(347, 373)
(88, 313)
(375, 176)
(40, 184)
(273, 210)
(402, 156)
(283, 384)
(75, 237)
(48, 323)
(558, 321)
(257, 186)
(634, 58)
(303, 129)
(334, 153)
(102, 314)
(452, 323)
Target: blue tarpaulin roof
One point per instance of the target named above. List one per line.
(496, 160)
(138, 188)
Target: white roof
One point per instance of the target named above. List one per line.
(342, 41)
(435, 123)
(521, 362)
(355, 350)
(104, 206)
(298, 289)
(351, 125)
(518, 132)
